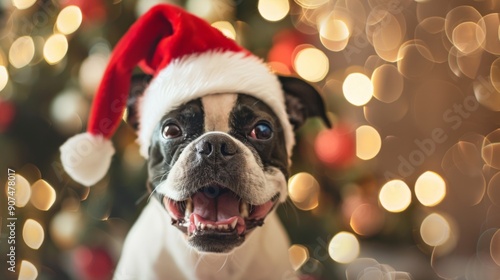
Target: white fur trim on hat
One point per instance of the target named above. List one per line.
(86, 157)
(198, 75)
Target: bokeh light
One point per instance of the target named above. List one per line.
(4, 77)
(494, 189)
(43, 195)
(385, 31)
(414, 59)
(55, 48)
(435, 230)
(367, 219)
(226, 28)
(490, 26)
(69, 19)
(486, 94)
(491, 149)
(33, 234)
(344, 247)
(395, 196)
(459, 15)
(303, 190)
(368, 142)
(211, 10)
(311, 64)
(357, 89)
(65, 228)
(387, 83)
(336, 147)
(334, 33)
(27, 271)
(431, 31)
(23, 4)
(298, 255)
(468, 37)
(23, 191)
(273, 10)
(21, 51)
(310, 4)
(67, 111)
(430, 188)
(495, 75)
(495, 247)
(91, 72)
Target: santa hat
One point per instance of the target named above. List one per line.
(188, 59)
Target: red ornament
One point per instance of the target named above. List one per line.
(284, 44)
(92, 263)
(336, 147)
(7, 113)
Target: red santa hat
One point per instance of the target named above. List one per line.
(188, 59)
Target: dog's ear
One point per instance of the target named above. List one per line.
(302, 101)
(138, 85)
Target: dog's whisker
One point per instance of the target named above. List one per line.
(223, 264)
(142, 198)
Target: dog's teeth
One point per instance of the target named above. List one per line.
(210, 226)
(226, 227)
(189, 207)
(202, 226)
(220, 227)
(244, 209)
(233, 224)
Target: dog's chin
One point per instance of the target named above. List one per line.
(217, 222)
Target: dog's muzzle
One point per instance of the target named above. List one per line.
(216, 210)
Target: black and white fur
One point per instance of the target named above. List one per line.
(215, 154)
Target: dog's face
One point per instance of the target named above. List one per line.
(219, 164)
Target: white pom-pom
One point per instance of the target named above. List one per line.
(86, 157)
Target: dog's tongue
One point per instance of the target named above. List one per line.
(219, 208)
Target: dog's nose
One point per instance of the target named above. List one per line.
(216, 145)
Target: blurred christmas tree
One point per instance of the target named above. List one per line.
(405, 181)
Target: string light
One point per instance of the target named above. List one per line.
(23, 4)
(344, 247)
(395, 196)
(298, 255)
(226, 28)
(43, 195)
(435, 230)
(33, 234)
(64, 228)
(311, 64)
(273, 10)
(21, 51)
(23, 191)
(55, 48)
(69, 19)
(387, 83)
(430, 188)
(368, 142)
(4, 77)
(334, 33)
(303, 190)
(358, 89)
(27, 271)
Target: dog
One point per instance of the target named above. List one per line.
(216, 127)
(217, 170)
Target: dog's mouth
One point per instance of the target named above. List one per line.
(217, 212)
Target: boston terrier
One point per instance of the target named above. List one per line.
(217, 169)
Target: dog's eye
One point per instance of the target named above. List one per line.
(261, 131)
(171, 131)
